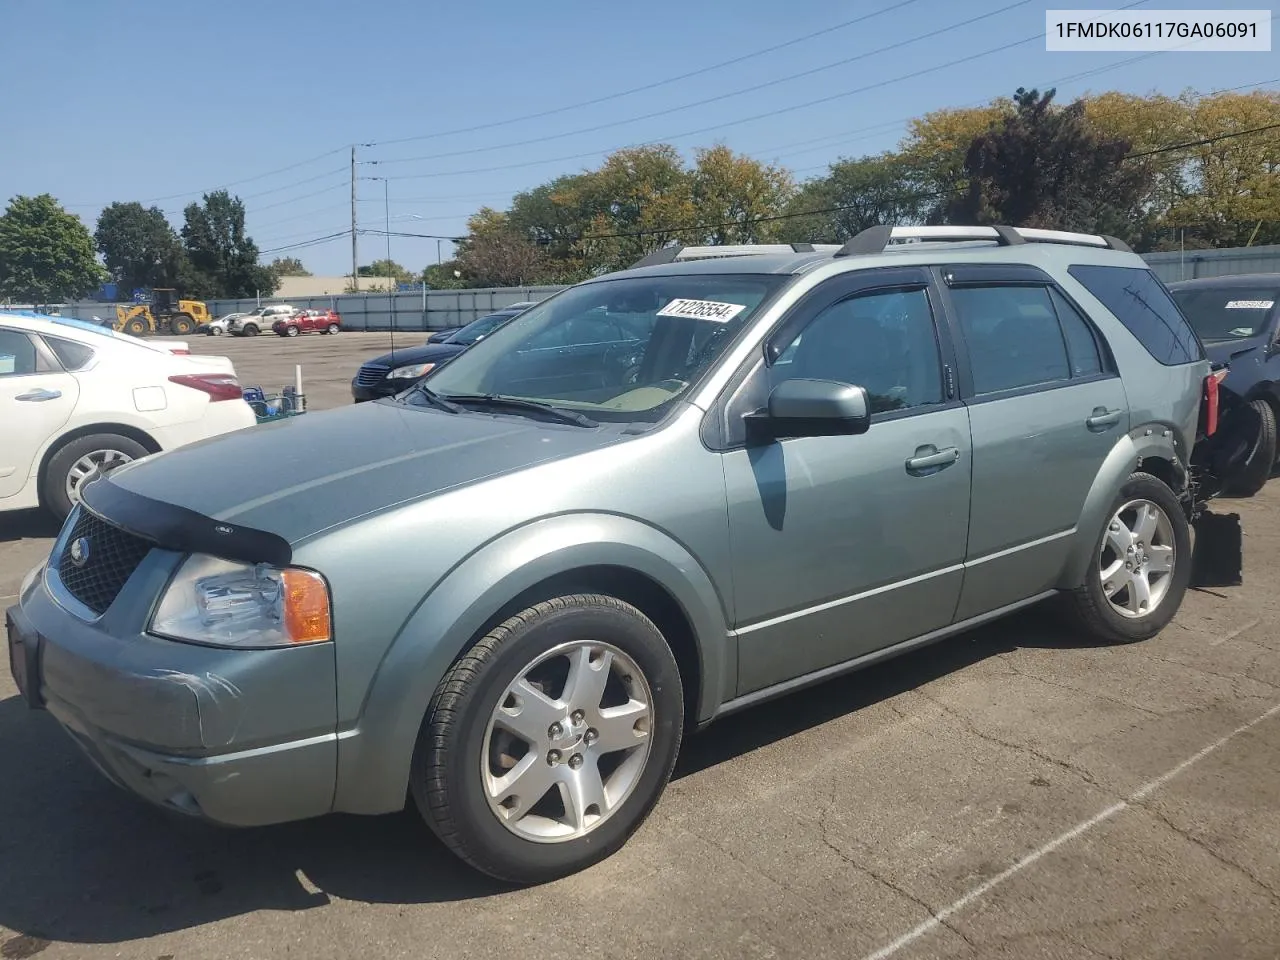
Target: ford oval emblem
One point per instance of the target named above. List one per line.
(223, 529)
(80, 550)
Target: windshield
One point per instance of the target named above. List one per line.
(1227, 313)
(479, 328)
(620, 350)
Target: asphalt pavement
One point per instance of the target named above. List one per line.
(1018, 792)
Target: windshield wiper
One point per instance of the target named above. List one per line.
(433, 398)
(516, 403)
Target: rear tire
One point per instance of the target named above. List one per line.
(64, 470)
(1257, 469)
(215, 331)
(1129, 553)
(511, 740)
(182, 325)
(332, 329)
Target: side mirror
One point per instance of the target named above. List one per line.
(811, 408)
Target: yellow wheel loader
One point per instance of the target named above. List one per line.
(165, 314)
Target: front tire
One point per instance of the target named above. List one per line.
(290, 331)
(332, 329)
(137, 328)
(1141, 564)
(550, 741)
(250, 330)
(75, 461)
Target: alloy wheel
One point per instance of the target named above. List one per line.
(1137, 558)
(567, 742)
(90, 463)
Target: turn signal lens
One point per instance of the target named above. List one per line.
(306, 606)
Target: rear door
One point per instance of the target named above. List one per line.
(1046, 406)
(36, 398)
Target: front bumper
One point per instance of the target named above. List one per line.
(238, 737)
(383, 388)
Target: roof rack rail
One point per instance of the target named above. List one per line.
(877, 239)
(677, 252)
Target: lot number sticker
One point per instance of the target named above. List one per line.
(1250, 304)
(702, 310)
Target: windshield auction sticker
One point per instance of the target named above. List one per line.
(1183, 31)
(702, 310)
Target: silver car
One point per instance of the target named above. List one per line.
(653, 500)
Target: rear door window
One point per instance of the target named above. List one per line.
(72, 355)
(1144, 306)
(1013, 335)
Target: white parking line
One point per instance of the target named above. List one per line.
(943, 915)
(1234, 633)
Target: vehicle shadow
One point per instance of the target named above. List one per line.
(87, 863)
(27, 525)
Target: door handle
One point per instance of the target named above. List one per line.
(938, 458)
(1103, 418)
(39, 395)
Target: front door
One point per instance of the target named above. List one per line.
(1046, 406)
(36, 398)
(844, 545)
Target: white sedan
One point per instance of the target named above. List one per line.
(76, 399)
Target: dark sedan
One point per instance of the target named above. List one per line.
(1238, 319)
(393, 372)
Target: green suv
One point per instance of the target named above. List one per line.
(507, 592)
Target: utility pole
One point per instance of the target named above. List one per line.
(355, 282)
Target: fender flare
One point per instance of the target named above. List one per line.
(1150, 440)
(375, 757)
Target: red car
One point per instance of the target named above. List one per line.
(308, 321)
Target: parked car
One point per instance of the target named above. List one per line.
(254, 322)
(508, 591)
(393, 372)
(308, 321)
(75, 398)
(1238, 319)
(218, 327)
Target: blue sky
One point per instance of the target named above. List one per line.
(157, 100)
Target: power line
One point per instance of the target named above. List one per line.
(648, 86)
(707, 100)
(305, 243)
(1204, 142)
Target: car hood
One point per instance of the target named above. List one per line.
(297, 477)
(427, 353)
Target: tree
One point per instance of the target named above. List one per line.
(222, 260)
(139, 246)
(854, 195)
(289, 267)
(738, 195)
(444, 276)
(933, 152)
(1234, 181)
(495, 254)
(641, 199)
(46, 254)
(1047, 167)
(386, 268)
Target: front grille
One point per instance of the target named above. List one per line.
(109, 557)
(371, 374)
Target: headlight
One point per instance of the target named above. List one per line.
(412, 370)
(240, 605)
